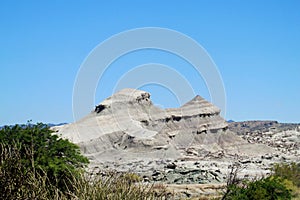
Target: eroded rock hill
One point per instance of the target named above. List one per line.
(189, 144)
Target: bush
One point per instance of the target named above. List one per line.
(19, 182)
(35, 149)
(34, 164)
(269, 188)
(289, 171)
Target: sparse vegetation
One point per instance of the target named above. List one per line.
(283, 183)
(34, 164)
(290, 172)
(41, 152)
(269, 188)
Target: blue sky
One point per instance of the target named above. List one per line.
(255, 45)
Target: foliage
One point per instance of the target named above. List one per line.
(290, 172)
(269, 188)
(41, 152)
(115, 186)
(30, 157)
(19, 182)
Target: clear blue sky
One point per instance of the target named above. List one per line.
(255, 44)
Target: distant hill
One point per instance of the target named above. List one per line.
(60, 124)
(244, 127)
(48, 124)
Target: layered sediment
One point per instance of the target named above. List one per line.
(189, 144)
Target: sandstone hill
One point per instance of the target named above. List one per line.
(189, 144)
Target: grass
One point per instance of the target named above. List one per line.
(19, 182)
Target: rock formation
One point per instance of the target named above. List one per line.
(189, 144)
(128, 121)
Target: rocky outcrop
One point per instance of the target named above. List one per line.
(128, 119)
(283, 137)
(189, 144)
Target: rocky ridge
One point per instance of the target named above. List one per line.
(283, 137)
(187, 145)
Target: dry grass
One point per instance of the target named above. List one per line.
(18, 183)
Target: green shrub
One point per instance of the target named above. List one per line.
(19, 182)
(34, 164)
(289, 171)
(270, 188)
(42, 152)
